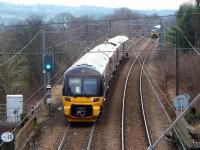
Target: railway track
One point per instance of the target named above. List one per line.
(156, 126)
(105, 133)
(152, 130)
(132, 130)
(51, 133)
(77, 136)
(159, 102)
(147, 129)
(71, 132)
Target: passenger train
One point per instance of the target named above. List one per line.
(155, 31)
(86, 82)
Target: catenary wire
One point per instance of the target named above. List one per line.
(103, 20)
(20, 50)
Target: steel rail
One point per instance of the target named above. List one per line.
(60, 147)
(166, 100)
(123, 101)
(142, 103)
(91, 137)
(66, 134)
(150, 145)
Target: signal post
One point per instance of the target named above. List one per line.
(48, 66)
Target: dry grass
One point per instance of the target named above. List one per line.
(56, 94)
(189, 72)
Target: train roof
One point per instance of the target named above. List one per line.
(157, 26)
(98, 57)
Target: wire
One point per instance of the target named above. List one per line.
(20, 50)
(38, 89)
(160, 50)
(151, 84)
(43, 86)
(103, 20)
(188, 41)
(59, 44)
(67, 41)
(31, 112)
(83, 32)
(33, 95)
(19, 124)
(66, 31)
(72, 57)
(51, 80)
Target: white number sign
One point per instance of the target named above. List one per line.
(7, 137)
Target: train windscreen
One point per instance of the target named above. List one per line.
(90, 86)
(83, 86)
(154, 30)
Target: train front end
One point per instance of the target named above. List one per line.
(82, 94)
(155, 31)
(154, 34)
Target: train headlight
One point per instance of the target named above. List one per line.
(95, 99)
(68, 99)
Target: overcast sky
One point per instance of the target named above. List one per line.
(133, 4)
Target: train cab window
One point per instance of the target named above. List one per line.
(75, 85)
(154, 30)
(81, 86)
(90, 86)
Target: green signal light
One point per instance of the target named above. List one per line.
(48, 66)
(48, 63)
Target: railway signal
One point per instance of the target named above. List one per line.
(48, 63)
(48, 87)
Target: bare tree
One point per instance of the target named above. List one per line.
(13, 73)
(64, 19)
(198, 3)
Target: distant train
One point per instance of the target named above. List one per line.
(86, 82)
(155, 31)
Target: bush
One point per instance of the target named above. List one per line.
(192, 117)
(23, 116)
